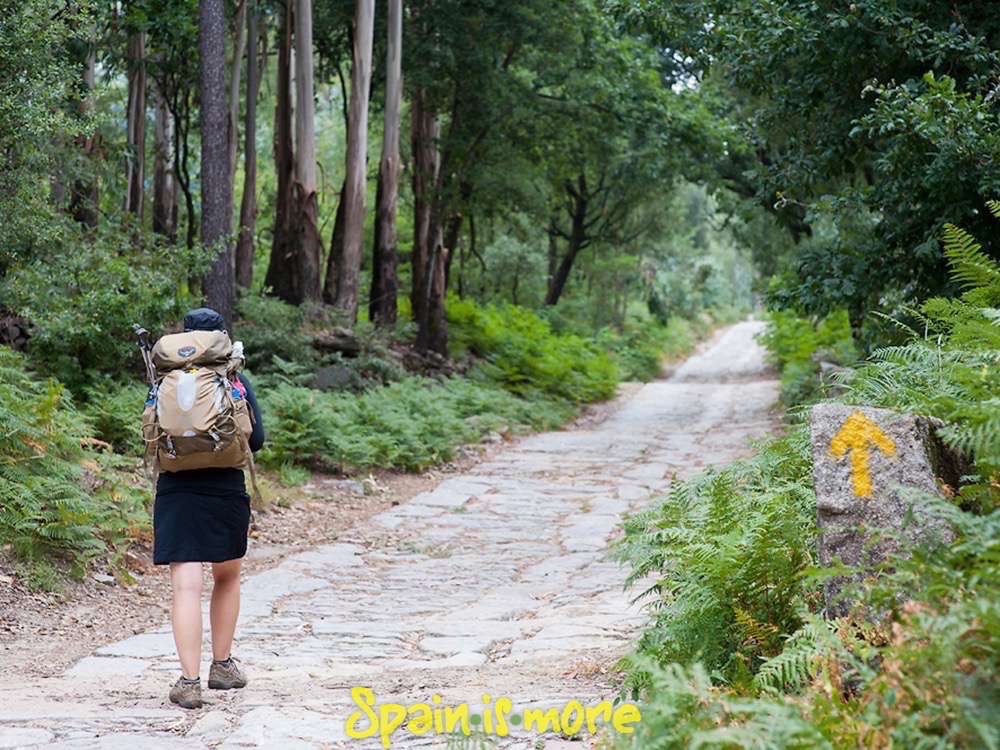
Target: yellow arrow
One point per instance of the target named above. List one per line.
(855, 435)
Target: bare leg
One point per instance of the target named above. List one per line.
(185, 615)
(225, 607)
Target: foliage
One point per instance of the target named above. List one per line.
(797, 345)
(84, 294)
(35, 78)
(923, 674)
(271, 330)
(113, 410)
(411, 424)
(57, 499)
(525, 356)
(728, 549)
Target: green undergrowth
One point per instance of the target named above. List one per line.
(411, 424)
(797, 346)
(60, 501)
(738, 655)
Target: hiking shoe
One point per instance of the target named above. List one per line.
(186, 693)
(226, 675)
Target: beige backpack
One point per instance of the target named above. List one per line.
(196, 417)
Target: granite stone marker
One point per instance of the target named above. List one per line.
(873, 469)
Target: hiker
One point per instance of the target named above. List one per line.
(202, 515)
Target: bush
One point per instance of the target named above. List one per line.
(729, 549)
(795, 345)
(410, 425)
(525, 356)
(114, 411)
(84, 295)
(270, 328)
(56, 498)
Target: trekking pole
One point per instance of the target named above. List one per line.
(143, 336)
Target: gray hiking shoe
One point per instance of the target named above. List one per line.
(186, 693)
(226, 675)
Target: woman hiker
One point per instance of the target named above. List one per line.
(203, 516)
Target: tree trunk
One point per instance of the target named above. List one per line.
(577, 241)
(84, 192)
(305, 209)
(336, 254)
(349, 268)
(248, 206)
(216, 199)
(232, 122)
(424, 132)
(385, 284)
(164, 187)
(136, 123)
(282, 271)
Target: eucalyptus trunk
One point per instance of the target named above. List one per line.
(216, 197)
(385, 284)
(232, 122)
(135, 136)
(305, 207)
(282, 270)
(349, 268)
(164, 181)
(424, 133)
(248, 205)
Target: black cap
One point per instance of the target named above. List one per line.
(204, 319)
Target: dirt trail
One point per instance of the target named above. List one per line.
(496, 582)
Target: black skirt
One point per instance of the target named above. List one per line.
(200, 516)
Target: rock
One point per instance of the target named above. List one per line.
(351, 486)
(24, 736)
(104, 578)
(873, 470)
(335, 378)
(337, 340)
(211, 723)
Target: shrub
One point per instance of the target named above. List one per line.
(114, 412)
(84, 295)
(270, 328)
(525, 356)
(56, 498)
(795, 345)
(728, 549)
(410, 424)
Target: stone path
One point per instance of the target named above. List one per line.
(494, 582)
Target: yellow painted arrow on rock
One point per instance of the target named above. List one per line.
(857, 435)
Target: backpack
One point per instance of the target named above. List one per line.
(196, 414)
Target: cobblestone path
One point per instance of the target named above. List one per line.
(496, 582)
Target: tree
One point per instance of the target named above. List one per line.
(349, 268)
(305, 207)
(164, 188)
(216, 197)
(282, 269)
(248, 205)
(294, 269)
(384, 287)
(136, 123)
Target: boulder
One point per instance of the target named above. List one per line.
(339, 340)
(335, 378)
(873, 471)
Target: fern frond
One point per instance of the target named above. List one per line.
(970, 265)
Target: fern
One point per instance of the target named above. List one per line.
(799, 660)
(969, 264)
